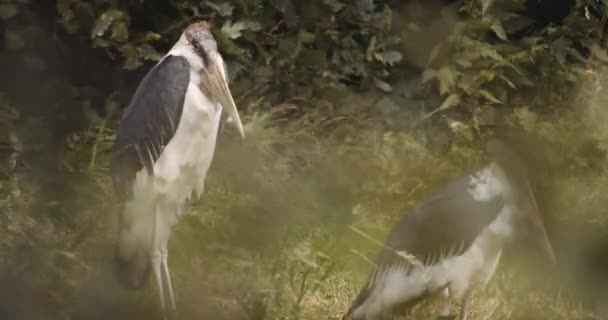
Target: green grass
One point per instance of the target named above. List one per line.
(271, 238)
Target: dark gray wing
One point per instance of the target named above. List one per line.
(445, 224)
(150, 120)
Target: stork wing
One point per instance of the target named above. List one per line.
(445, 224)
(150, 120)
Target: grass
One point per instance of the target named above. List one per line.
(272, 237)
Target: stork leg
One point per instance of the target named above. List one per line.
(445, 303)
(157, 261)
(165, 265)
(464, 304)
(156, 264)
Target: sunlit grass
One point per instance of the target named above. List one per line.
(272, 237)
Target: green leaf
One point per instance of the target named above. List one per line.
(306, 37)
(147, 52)
(100, 43)
(224, 9)
(131, 55)
(120, 32)
(487, 75)
(382, 85)
(434, 53)
(499, 30)
(488, 51)
(451, 101)
(335, 5)
(252, 25)
(485, 5)
(228, 47)
(8, 10)
(152, 36)
(389, 57)
(104, 22)
(447, 77)
(488, 95)
(233, 31)
(508, 81)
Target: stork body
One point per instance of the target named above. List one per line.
(453, 241)
(163, 150)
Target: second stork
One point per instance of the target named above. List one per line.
(452, 242)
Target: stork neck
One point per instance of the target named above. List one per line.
(501, 228)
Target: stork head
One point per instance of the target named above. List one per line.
(528, 216)
(214, 76)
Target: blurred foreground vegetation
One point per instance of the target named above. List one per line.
(352, 116)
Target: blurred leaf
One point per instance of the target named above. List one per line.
(335, 5)
(224, 8)
(14, 41)
(451, 101)
(8, 10)
(233, 31)
(152, 36)
(499, 30)
(434, 53)
(382, 85)
(488, 95)
(252, 25)
(306, 37)
(485, 5)
(389, 57)
(230, 48)
(446, 76)
(131, 55)
(120, 32)
(100, 43)
(104, 22)
(147, 52)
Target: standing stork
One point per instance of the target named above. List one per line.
(452, 242)
(163, 150)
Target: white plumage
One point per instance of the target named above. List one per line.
(164, 149)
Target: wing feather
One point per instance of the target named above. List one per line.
(450, 218)
(150, 121)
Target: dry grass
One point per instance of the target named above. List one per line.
(270, 239)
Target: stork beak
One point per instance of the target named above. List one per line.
(538, 230)
(216, 85)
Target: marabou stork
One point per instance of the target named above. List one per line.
(452, 242)
(163, 149)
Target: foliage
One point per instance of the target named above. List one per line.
(283, 230)
(486, 62)
(276, 43)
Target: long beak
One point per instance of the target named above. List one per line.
(537, 227)
(541, 236)
(216, 85)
